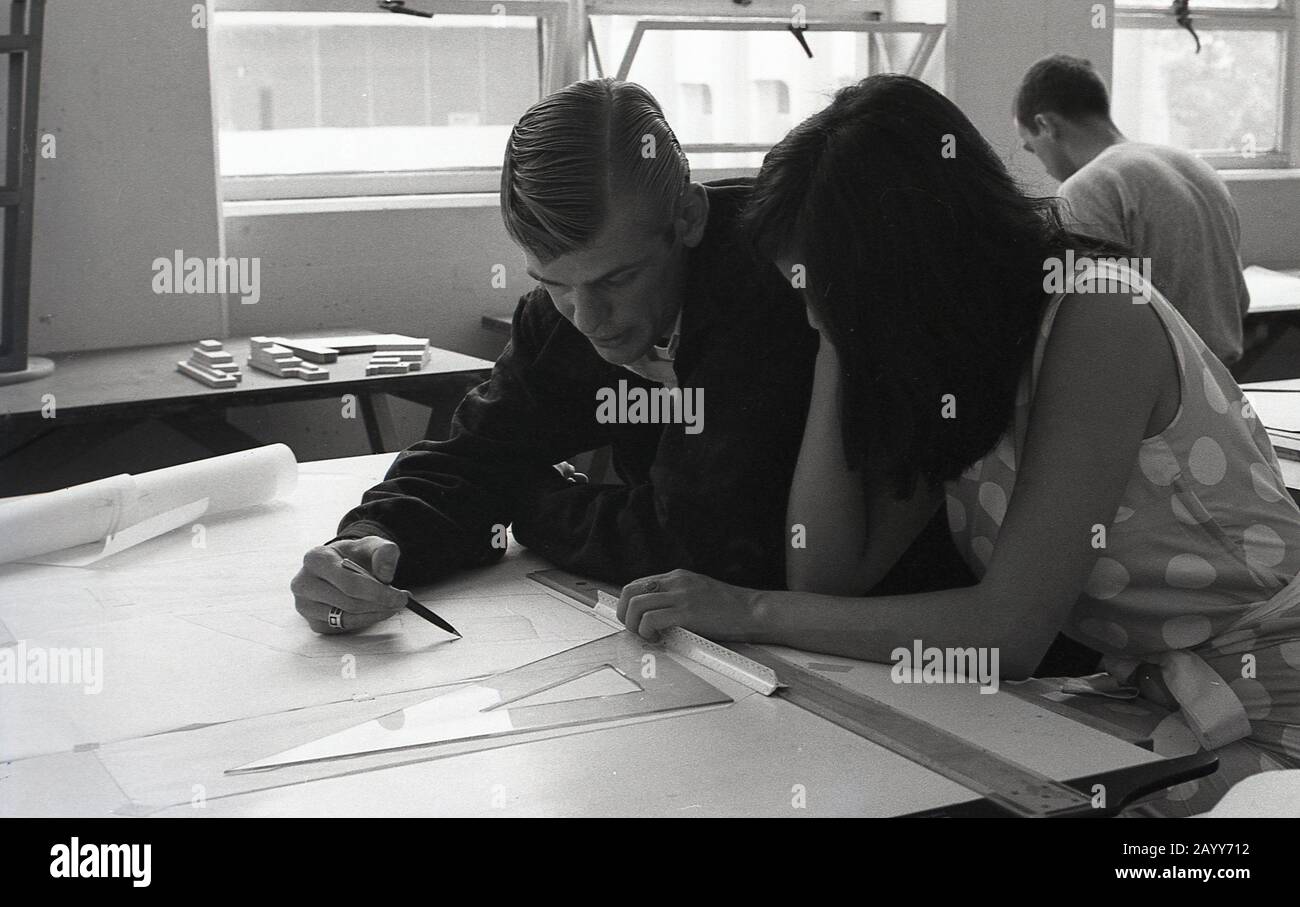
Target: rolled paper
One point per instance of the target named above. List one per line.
(38, 524)
(230, 482)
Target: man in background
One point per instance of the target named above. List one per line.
(1164, 204)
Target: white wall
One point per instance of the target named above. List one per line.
(426, 272)
(124, 91)
(1270, 219)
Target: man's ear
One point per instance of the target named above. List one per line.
(1048, 124)
(693, 215)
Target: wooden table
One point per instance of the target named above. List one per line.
(124, 385)
(206, 667)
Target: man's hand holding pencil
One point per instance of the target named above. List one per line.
(344, 586)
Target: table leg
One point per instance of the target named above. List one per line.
(442, 397)
(378, 418)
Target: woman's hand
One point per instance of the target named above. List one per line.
(698, 603)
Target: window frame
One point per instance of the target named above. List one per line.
(1283, 20)
(778, 16)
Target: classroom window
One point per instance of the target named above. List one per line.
(312, 99)
(328, 98)
(1231, 103)
(763, 80)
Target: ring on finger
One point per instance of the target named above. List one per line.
(335, 618)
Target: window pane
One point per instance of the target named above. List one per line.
(1223, 99)
(362, 92)
(749, 87)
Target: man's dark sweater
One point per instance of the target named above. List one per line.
(713, 501)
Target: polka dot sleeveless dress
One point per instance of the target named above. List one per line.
(1199, 579)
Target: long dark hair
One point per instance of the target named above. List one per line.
(925, 263)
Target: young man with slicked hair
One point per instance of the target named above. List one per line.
(1163, 203)
(644, 282)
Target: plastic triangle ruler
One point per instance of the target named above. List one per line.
(757, 677)
(603, 600)
(570, 688)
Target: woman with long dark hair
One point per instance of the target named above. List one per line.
(1102, 472)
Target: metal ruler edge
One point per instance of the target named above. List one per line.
(1019, 789)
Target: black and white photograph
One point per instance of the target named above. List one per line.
(465, 409)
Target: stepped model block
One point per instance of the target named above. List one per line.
(266, 355)
(270, 357)
(392, 367)
(310, 350)
(394, 354)
(211, 365)
(220, 362)
(376, 343)
(204, 375)
(421, 359)
(397, 362)
(411, 364)
(328, 349)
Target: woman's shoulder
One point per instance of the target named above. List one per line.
(1112, 328)
(1100, 352)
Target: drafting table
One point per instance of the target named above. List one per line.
(206, 667)
(1272, 292)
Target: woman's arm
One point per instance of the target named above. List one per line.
(849, 542)
(1107, 364)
